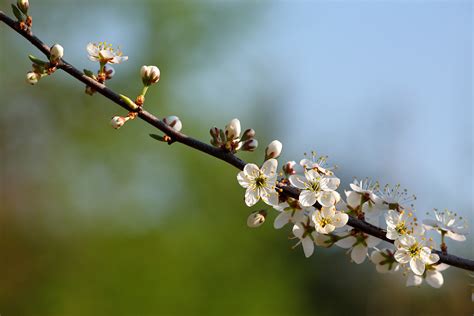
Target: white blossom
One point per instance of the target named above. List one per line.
(384, 261)
(291, 211)
(448, 223)
(402, 223)
(413, 251)
(316, 188)
(259, 183)
(105, 53)
(358, 245)
(317, 163)
(395, 198)
(432, 275)
(306, 234)
(328, 219)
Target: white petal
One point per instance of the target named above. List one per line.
(281, 220)
(270, 198)
(92, 49)
(376, 257)
(298, 181)
(359, 253)
(312, 175)
(269, 167)
(340, 219)
(434, 278)
(243, 180)
(417, 266)
(328, 212)
(329, 183)
(402, 256)
(307, 198)
(347, 242)
(454, 236)
(414, 280)
(298, 230)
(372, 241)
(308, 246)
(322, 240)
(353, 199)
(251, 197)
(251, 170)
(430, 223)
(382, 268)
(326, 198)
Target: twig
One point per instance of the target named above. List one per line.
(203, 147)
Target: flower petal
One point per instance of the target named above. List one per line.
(434, 278)
(414, 280)
(269, 167)
(251, 197)
(307, 198)
(417, 266)
(281, 220)
(243, 180)
(359, 253)
(329, 183)
(251, 170)
(347, 242)
(308, 246)
(340, 219)
(298, 181)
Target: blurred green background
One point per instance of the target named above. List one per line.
(95, 221)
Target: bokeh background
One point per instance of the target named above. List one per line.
(95, 221)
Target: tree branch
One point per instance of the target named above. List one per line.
(219, 153)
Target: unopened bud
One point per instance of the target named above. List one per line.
(150, 75)
(248, 134)
(118, 121)
(90, 90)
(32, 77)
(273, 150)
(174, 122)
(232, 129)
(256, 219)
(289, 167)
(23, 5)
(109, 72)
(249, 145)
(56, 53)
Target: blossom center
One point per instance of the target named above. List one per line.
(401, 228)
(414, 250)
(324, 221)
(260, 181)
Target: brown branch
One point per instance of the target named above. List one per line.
(203, 147)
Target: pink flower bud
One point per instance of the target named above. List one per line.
(232, 129)
(249, 145)
(289, 167)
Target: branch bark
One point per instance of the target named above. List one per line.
(221, 154)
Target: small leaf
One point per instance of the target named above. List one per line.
(158, 137)
(37, 61)
(132, 105)
(90, 74)
(17, 13)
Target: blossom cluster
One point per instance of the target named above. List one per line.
(320, 215)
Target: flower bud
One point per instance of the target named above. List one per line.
(232, 129)
(248, 134)
(249, 145)
(56, 53)
(174, 122)
(23, 5)
(273, 150)
(150, 75)
(32, 77)
(109, 72)
(289, 167)
(118, 121)
(256, 219)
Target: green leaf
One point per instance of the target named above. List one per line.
(37, 61)
(158, 137)
(89, 74)
(17, 13)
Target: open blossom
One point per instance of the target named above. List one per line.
(307, 235)
(432, 276)
(413, 251)
(259, 182)
(362, 194)
(328, 219)
(384, 261)
(448, 223)
(358, 245)
(394, 198)
(105, 53)
(317, 163)
(292, 211)
(402, 223)
(316, 188)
